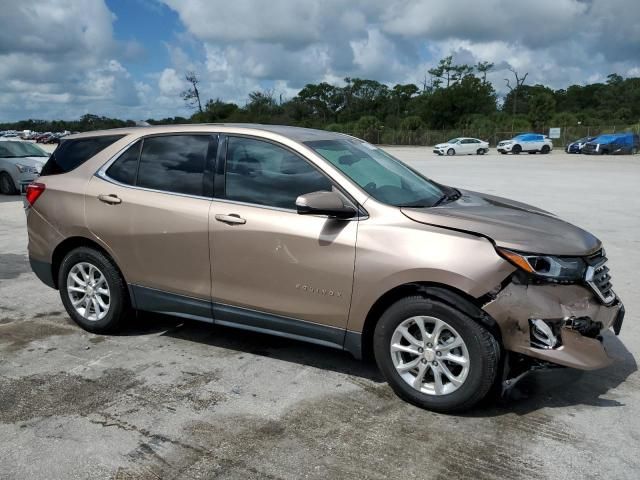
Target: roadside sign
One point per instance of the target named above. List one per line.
(554, 133)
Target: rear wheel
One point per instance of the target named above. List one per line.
(7, 187)
(516, 149)
(545, 149)
(92, 290)
(434, 356)
(451, 151)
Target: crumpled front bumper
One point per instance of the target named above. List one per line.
(517, 304)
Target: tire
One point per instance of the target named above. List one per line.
(545, 149)
(479, 347)
(117, 304)
(451, 152)
(7, 187)
(516, 149)
(481, 151)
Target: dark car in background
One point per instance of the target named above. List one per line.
(613, 143)
(576, 145)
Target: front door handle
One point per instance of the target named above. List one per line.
(231, 219)
(111, 199)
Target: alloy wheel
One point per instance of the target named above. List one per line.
(88, 291)
(430, 355)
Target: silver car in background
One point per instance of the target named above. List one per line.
(20, 164)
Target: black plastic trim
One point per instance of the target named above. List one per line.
(154, 300)
(278, 325)
(159, 301)
(43, 271)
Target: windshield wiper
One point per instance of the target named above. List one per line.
(448, 197)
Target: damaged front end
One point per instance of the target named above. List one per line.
(554, 314)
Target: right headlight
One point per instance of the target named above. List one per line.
(26, 169)
(547, 267)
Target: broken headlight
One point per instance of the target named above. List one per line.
(548, 267)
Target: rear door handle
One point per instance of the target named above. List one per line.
(111, 199)
(231, 219)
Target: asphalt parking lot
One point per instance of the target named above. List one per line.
(175, 399)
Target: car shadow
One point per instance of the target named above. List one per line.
(561, 387)
(564, 387)
(245, 341)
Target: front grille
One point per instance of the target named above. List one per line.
(599, 279)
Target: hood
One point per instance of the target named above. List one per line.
(510, 224)
(440, 145)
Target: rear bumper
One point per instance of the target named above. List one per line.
(43, 271)
(563, 307)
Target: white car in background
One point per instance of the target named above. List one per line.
(462, 146)
(526, 142)
(20, 164)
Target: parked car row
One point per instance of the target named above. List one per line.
(526, 142)
(39, 137)
(609, 143)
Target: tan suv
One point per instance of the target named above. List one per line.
(324, 238)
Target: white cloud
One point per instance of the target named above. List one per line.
(170, 83)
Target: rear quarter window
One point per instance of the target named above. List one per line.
(72, 153)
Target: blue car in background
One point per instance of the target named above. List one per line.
(613, 143)
(576, 146)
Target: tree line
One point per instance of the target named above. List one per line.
(451, 96)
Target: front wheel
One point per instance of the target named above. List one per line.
(434, 356)
(451, 152)
(481, 151)
(545, 149)
(92, 290)
(516, 149)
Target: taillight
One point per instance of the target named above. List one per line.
(34, 190)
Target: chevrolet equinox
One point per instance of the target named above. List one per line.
(324, 238)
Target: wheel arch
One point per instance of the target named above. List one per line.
(445, 293)
(72, 243)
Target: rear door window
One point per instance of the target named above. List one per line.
(174, 163)
(125, 168)
(72, 153)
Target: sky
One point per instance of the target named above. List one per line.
(60, 59)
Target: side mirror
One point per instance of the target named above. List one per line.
(324, 203)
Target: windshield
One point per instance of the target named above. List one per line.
(20, 149)
(453, 140)
(382, 176)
